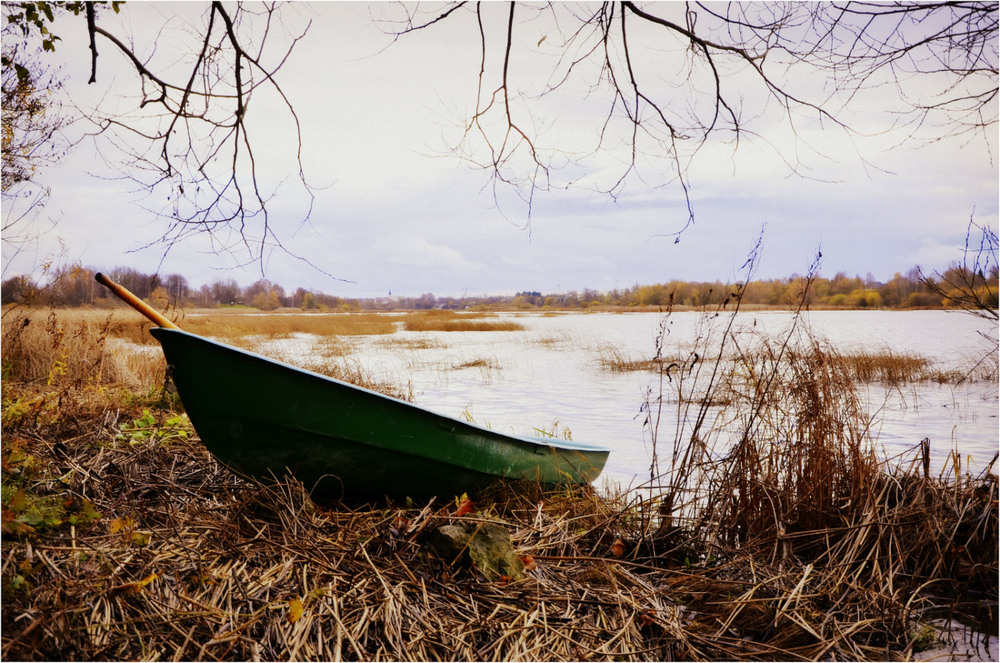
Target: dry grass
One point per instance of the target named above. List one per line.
(272, 325)
(612, 358)
(396, 343)
(489, 367)
(459, 325)
(479, 362)
(556, 340)
(884, 366)
(77, 348)
(74, 348)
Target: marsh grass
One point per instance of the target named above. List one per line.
(75, 349)
(886, 366)
(880, 366)
(441, 324)
(395, 343)
(613, 358)
(479, 362)
(227, 326)
(329, 357)
(556, 340)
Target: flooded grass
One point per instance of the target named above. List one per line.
(613, 358)
(396, 343)
(480, 362)
(884, 366)
(489, 367)
(432, 324)
(229, 326)
(556, 341)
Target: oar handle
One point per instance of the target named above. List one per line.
(142, 307)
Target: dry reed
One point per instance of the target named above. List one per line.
(460, 325)
(64, 348)
(613, 358)
(885, 366)
(275, 325)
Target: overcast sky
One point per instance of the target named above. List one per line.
(396, 212)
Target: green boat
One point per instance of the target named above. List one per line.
(263, 419)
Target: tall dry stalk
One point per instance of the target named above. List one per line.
(804, 453)
(74, 349)
(693, 384)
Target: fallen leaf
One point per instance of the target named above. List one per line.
(465, 506)
(618, 549)
(140, 539)
(294, 610)
(18, 501)
(120, 525)
(134, 587)
(528, 561)
(148, 579)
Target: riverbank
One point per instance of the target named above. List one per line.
(123, 538)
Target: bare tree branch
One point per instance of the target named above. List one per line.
(653, 117)
(198, 148)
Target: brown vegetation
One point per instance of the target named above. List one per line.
(867, 366)
(449, 321)
(276, 325)
(77, 348)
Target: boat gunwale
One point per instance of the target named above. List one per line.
(555, 443)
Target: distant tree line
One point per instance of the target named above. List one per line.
(75, 286)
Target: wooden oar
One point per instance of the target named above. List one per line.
(142, 307)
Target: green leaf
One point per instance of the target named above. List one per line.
(140, 539)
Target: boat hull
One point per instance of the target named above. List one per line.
(264, 419)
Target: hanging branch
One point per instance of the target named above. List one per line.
(204, 157)
(751, 55)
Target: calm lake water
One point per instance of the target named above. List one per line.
(550, 375)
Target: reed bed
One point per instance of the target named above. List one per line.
(460, 325)
(868, 366)
(613, 358)
(283, 325)
(886, 366)
(64, 348)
